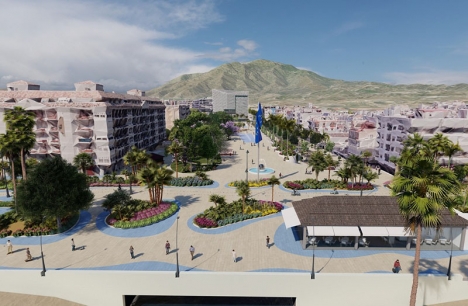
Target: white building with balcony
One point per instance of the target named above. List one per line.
(88, 120)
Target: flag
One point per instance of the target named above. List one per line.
(258, 124)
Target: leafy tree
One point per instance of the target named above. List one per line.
(229, 128)
(272, 182)
(422, 188)
(83, 161)
(54, 189)
(329, 146)
(461, 172)
(117, 202)
(439, 145)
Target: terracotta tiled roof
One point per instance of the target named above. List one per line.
(359, 211)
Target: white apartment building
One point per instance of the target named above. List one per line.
(88, 120)
(230, 101)
(363, 137)
(397, 122)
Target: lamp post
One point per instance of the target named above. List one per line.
(247, 167)
(6, 187)
(177, 273)
(312, 274)
(450, 260)
(42, 257)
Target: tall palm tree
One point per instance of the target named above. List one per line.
(83, 161)
(422, 188)
(9, 149)
(451, 150)
(439, 144)
(288, 125)
(163, 177)
(131, 159)
(331, 164)
(272, 182)
(354, 163)
(366, 155)
(243, 190)
(175, 149)
(148, 175)
(20, 123)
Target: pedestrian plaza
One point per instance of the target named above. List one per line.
(100, 247)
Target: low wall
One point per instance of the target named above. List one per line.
(107, 287)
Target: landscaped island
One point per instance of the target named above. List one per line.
(224, 214)
(326, 184)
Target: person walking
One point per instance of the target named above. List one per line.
(73, 244)
(10, 247)
(234, 256)
(131, 252)
(28, 255)
(168, 247)
(396, 266)
(192, 251)
(268, 242)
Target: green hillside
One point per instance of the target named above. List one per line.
(279, 84)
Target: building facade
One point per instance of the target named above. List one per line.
(175, 111)
(230, 101)
(88, 120)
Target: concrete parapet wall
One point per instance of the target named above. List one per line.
(107, 287)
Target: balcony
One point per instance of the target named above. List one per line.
(89, 151)
(55, 141)
(53, 129)
(55, 151)
(40, 130)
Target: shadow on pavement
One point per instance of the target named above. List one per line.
(186, 200)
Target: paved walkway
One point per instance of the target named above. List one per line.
(102, 248)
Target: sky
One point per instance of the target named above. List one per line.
(146, 43)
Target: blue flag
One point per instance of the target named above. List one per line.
(258, 124)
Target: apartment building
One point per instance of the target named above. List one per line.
(397, 122)
(230, 101)
(363, 137)
(175, 111)
(88, 120)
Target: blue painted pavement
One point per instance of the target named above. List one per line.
(247, 137)
(327, 191)
(146, 231)
(84, 219)
(4, 210)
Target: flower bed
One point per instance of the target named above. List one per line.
(146, 217)
(5, 232)
(326, 184)
(190, 182)
(252, 184)
(226, 214)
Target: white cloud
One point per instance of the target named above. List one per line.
(120, 44)
(227, 54)
(432, 77)
(348, 27)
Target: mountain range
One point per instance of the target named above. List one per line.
(273, 83)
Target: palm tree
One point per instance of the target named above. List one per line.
(422, 188)
(331, 164)
(369, 175)
(217, 199)
(83, 161)
(163, 177)
(354, 163)
(439, 144)
(148, 175)
(394, 160)
(273, 181)
(175, 149)
(451, 150)
(288, 126)
(243, 190)
(131, 159)
(344, 174)
(20, 123)
(9, 149)
(318, 162)
(366, 155)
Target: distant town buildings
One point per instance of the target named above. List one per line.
(175, 111)
(88, 120)
(230, 101)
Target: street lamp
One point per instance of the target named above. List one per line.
(247, 167)
(312, 274)
(177, 273)
(42, 256)
(450, 260)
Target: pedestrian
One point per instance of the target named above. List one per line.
(252, 161)
(168, 247)
(131, 252)
(268, 242)
(234, 256)
(73, 244)
(28, 255)
(10, 247)
(192, 251)
(378, 170)
(280, 175)
(396, 266)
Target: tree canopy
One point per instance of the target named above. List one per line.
(54, 189)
